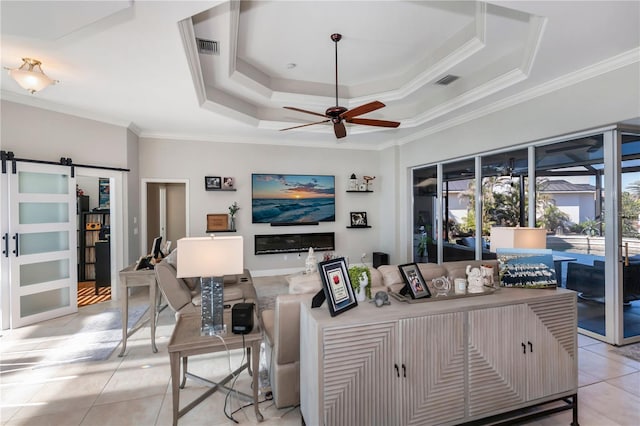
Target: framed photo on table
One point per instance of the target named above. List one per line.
(337, 286)
(414, 281)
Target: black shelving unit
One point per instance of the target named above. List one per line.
(89, 235)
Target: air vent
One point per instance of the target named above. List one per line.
(447, 79)
(207, 47)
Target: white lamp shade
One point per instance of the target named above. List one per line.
(32, 81)
(210, 256)
(505, 237)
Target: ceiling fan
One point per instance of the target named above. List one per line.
(339, 114)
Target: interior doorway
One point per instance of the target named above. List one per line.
(164, 212)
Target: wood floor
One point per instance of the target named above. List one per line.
(87, 294)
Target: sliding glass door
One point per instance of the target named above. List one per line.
(586, 194)
(629, 219)
(570, 182)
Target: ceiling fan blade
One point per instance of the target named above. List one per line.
(339, 130)
(362, 109)
(305, 125)
(305, 111)
(371, 122)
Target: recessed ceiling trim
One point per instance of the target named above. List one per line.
(536, 31)
(187, 35)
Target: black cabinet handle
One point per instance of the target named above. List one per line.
(5, 237)
(404, 371)
(530, 347)
(16, 251)
(397, 370)
(524, 348)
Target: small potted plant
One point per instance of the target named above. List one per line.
(360, 276)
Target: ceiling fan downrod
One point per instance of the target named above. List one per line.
(336, 38)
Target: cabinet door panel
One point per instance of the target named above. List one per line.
(551, 358)
(433, 351)
(496, 359)
(358, 374)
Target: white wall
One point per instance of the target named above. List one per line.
(193, 160)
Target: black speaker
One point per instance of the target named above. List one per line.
(242, 318)
(380, 258)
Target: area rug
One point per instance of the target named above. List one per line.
(630, 351)
(96, 340)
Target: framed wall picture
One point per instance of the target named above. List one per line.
(104, 195)
(414, 281)
(527, 268)
(212, 183)
(358, 219)
(337, 286)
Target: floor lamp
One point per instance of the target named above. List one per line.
(210, 258)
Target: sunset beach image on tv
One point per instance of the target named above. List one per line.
(291, 199)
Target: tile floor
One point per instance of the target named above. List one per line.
(135, 389)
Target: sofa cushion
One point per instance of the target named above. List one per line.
(172, 259)
(304, 283)
(458, 269)
(176, 292)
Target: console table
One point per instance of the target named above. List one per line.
(129, 277)
(186, 341)
(448, 362)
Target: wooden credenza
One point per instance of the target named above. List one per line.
(438, 362)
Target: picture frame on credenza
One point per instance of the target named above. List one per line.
(414, 282)
(337, 286)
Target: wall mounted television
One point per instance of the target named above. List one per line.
(292, 199)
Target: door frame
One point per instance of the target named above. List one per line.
(119, 229)
(144, 212)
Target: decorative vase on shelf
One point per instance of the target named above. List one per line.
(232, 223)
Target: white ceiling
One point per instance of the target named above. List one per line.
(136, 63)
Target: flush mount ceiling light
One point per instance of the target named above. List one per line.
(30, 75)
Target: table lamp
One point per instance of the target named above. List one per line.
(518, 237)
(210, 258)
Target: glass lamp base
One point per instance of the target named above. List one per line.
(212, 306)
(209, 330)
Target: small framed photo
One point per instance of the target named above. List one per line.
(414, 281)
(337, 286)
(358, 219)
(227, 183)
(212, 183)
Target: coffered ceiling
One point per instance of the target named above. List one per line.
(138, 64)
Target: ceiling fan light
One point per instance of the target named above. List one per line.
(30, 76)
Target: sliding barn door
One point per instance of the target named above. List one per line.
(40, 242)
